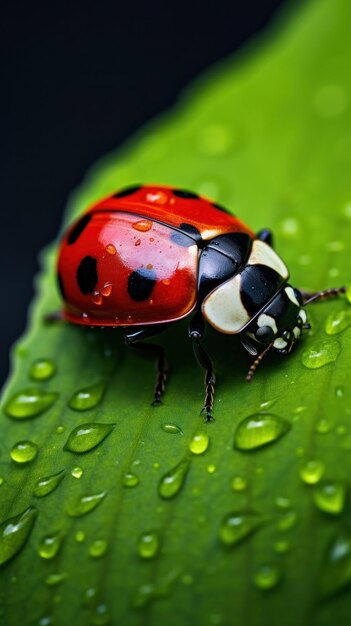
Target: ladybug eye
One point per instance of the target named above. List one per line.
(264, 334)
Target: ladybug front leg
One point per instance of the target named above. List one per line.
(134, 338)
(196, 331)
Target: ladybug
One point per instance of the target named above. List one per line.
(149, 256)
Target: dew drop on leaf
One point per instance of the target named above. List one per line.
(50, 545)
(312, 471)
(321, 353)
(85, 504)
(150, 592)
(77, 472)
(173, 429)
(235, 527)
(348, 294)
(14, 533)
(330, 497)
(42, 369)
(55, 579)
(87, 398)
(172, 482)
(86, 437)
(324, 426)
(199, 442)
(259, 430)
(339, 392)
(287, 521)
(79, 536)
(29, 403)
(48, 484)
(24, 452)
(267, 577)
(100, 615)
(130, 479)
(337, 322)
(281, 546)
(98, 548)
(148, 545)
(238, 483)
(336, 570)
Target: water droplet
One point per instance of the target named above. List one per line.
(50, 545)
(173, 429)
(238, 483)
(287, 521)
(312, 472)
(259, 430)
(77, 472)
(60, 429)
(48, 484)
(290, 226)
(211, 468)
(42, 369)
(337, 322)
(88, 397)
(86, 437)
(148, 592)
(321, 353)
(1, 480)
(187, 579)
(348, 290)
(24, 452)
(282, 502)
(130, 480)
(55, 579)
(200, 442)
(336, 570)
(339, 392)
(267, 404)
(79, 536)
(14, 533)
(110, 249)
(98, 548)
(172, 482)
(282, 546)
(100, 615)
(86, 504)
(148, 545)
(267, 577)
(341, 430)
(29, 403)
(236, 527)
(324, 426)
(142, 225)
(329, 497)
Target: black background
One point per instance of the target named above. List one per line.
(79, 78)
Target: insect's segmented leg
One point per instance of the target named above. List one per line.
(196, 329)
(321, 295)
(134, 339)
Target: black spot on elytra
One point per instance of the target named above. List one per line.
(220, 207)
(182, 193)
(186, 236)
(61, 286)
(78, 228)
(87, 275)
(127, 191)
(141, 283)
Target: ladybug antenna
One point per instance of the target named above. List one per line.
(255, 364)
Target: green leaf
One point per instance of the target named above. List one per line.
(154, 517)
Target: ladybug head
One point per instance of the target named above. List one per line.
(280, 323)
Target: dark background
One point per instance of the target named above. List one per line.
(79, 77)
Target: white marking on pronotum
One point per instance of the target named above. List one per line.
(267, 320)
(263, 254)
(291, 295)
(279, 343)
(303, 316)
(297, 332)
(223, 308)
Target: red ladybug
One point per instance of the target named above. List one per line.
(148, 256)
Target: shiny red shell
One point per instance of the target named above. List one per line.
(132, 258)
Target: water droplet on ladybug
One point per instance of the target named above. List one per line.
(142, 225)
(110, 249)
(137, 242)
(158, 197)
(97, 297)
(106, 290)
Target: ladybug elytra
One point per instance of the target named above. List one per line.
(149, 256)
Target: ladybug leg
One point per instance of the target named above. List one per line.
(196, 331)
(265, 235)
(135, 339)
(321, 295)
